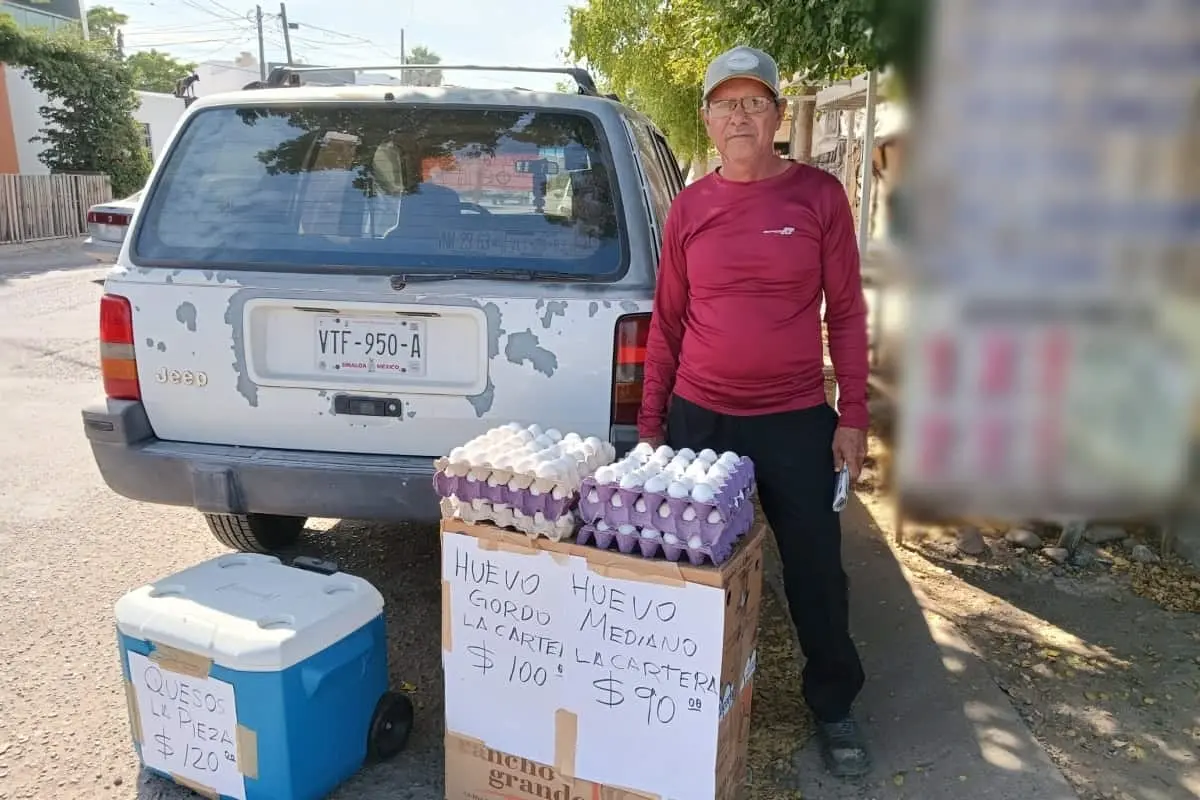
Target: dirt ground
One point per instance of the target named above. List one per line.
(1100, 654)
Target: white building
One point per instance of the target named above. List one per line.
(158, 114)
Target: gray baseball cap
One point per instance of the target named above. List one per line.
(742, 62)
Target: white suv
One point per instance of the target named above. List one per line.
(324, 288)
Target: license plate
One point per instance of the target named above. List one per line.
(365, 345)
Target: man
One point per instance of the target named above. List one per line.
(734, 360)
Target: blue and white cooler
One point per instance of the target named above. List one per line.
(251, 679)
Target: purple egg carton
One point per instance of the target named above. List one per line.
(645, 509)
(524, 500)
(716, 551)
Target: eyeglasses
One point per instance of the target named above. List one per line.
(751, 105)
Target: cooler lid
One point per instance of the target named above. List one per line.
(249, 612)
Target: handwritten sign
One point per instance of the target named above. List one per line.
(638, 663)
(189, 726)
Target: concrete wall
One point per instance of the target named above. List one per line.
(159, 111)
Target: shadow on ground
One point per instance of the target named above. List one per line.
(36, 258)
(1109, 682)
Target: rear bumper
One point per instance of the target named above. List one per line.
(224, 479)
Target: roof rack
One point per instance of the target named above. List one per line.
(291, 75)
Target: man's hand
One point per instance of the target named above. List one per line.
(655, 441)
(849, 447)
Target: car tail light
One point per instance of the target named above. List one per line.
(629, 360)
(117, 363)
(107, 218)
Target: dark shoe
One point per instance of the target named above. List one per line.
(843, 748)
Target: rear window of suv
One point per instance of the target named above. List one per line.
(390, 187)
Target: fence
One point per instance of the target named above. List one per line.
(34, 207)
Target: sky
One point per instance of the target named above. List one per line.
(363, 32)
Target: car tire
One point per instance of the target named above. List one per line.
(255, 533)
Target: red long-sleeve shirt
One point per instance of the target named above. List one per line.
(737, 313)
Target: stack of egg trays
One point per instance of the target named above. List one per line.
(467, 489)
(735, 516)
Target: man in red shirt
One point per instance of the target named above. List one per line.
(734, 360)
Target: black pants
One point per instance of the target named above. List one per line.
(793, 464)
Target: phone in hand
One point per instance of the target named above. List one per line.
(841, 493)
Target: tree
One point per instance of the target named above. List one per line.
(423, 77)
(89, 113)
(831, 39)
(104, 27)
(654, 55)
(154, 71)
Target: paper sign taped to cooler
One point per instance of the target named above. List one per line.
(188, 726)
(536, 639)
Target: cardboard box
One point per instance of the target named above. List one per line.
(573, 673)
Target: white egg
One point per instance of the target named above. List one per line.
(686, 453)
(524, 437)
(650, 533)
(543, 441)
(729, 459)
(602, 526)
(573, 438)
(606, 476)
(714, 517)
(695, 543)
(678, 490)
(627, 530)
(513, 426)
(554, 434)
(664, 511)
(594, 442)
(670, 538)
(689, 514)
(458, 455)
(696, 471)
(707, 456)
(703, 493)
(536, 430)
(632, 481)
(657, 483)
(547, 469)
(664, 452)
(643, 449)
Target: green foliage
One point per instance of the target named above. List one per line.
(423, 77)
(830, 39)
(154, 71)
(655, 53)
(654, 57)
(91, 103)
(104, 27)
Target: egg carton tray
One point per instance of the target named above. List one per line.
(550, 498)
(716, 551)
(555, 529)
(625, 510)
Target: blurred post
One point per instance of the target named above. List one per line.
(1053, 335)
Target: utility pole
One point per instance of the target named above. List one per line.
(287, 38)
(262, 53)
(403, 60)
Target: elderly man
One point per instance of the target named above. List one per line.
(735, 360)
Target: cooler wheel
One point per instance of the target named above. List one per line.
(390, 726)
